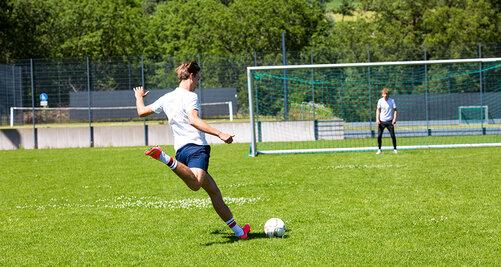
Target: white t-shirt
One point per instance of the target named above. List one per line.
(387, 107)
(176, 105)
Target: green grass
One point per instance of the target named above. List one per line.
(357, 13)
(372, 142)
(114, 206)
(337, 3)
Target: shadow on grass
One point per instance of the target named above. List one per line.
(231, 238)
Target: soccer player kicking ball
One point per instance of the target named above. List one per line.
(192, 150)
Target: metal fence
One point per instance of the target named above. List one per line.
(23, 82)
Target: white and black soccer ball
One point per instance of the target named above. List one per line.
(274, 227)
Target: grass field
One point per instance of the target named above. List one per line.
(115, 206)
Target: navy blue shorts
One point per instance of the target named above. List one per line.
(194, 156)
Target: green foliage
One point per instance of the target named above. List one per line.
(27, 22)
(98, 28)
(66, 28)
(409, 23)
(472, 22)
(183, 26)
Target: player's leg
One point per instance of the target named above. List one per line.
(177, 167)
(224, 212)
(209, 185)
(380, 130)
(391, 129)
(187, 175)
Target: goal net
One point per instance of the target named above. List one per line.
(473, 114)
(332, 107)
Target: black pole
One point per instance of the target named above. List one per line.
(145, 127)
(426, 93)
(286, 91)
(482, 116)
(35, 135)
(200, 88)
(91, 132)
(370, 90)
(312, 85)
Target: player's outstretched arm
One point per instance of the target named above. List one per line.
(203, 126)
(142, 110)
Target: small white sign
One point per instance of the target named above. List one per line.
(44, 103)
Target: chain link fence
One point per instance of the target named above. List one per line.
(98, 89)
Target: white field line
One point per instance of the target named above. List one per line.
(123, 202)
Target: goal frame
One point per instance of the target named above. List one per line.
(253, 144)
(229, 104)
(481, 121)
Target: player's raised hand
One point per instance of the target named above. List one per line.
(139, 92)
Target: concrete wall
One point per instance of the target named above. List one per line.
(105, 136)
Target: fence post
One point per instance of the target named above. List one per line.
(426, 93)
(286, 90)
(145, 127)
(14, 93)
(370, 89)
(312, 85)
(128, 75)
(200, 88)
(35, 135)
(91, 131)
(481, 90)
(59, 90)
(256, 114)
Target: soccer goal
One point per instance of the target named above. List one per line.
(473, 114)
(50, 115)
(217, 110)
(332, 107)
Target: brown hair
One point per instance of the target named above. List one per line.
(186, 68)
(385, 90)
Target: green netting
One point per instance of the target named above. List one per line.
(310, 109)
(473, 114)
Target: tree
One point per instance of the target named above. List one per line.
(26, 22)
(244, 25)
(97, 27)
(402, 24)
(468, 22)
(258, 24)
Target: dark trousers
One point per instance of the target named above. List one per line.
(382, 125)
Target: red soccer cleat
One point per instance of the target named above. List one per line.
(154, 152)
(246, 229)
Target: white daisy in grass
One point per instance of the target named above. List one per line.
(122, 202)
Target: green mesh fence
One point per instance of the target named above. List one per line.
(322, 108)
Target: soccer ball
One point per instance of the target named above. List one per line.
(274, 227)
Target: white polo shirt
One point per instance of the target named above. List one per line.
(386, 109)
(176, 105)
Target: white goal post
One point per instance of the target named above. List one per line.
(65, 109)
(282, 97)
(473, 114)
(228, 103)
(129, 109)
